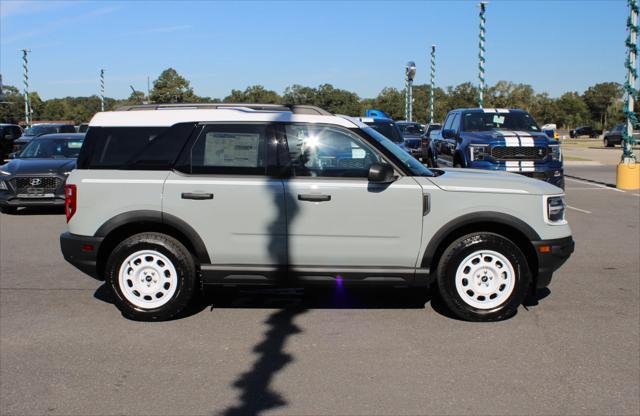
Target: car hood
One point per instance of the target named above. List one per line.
(475, 180)
(38, 166)
(486, 137)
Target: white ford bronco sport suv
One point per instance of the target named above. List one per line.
(167, 198)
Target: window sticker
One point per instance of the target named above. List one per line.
(74, 145)
(232, 149)
(498, 119)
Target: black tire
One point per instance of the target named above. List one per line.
(457, 252)
(179, 257)
(9, 210)
(607, 143)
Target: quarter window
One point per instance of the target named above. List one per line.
(328, 151)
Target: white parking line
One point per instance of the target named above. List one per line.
(597, 185)
(579, 209)
(585, 189)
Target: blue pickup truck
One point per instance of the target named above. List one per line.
(496, 139)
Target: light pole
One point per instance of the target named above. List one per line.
(410, 73)
(628, 172)
(481, 54)
(102, 90)
(25, 70)
(433, 82)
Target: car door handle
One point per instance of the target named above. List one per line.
(196, 196)
(314, 197)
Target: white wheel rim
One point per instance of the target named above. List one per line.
(485, 279)
(148, 279)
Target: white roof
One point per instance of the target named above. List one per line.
(169, 117)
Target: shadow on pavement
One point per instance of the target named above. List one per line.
(607, 184)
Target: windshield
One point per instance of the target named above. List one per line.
(411, 129)
(51, 149)
(40, 130)
(416, 168)
(481, 121)
(388, 129)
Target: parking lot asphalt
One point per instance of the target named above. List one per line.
(64, 349)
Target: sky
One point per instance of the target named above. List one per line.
(361, 46)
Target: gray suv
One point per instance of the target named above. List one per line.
(167, 198)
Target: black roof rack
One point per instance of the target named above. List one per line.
(293, 108)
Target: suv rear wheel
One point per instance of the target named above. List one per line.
(483, 277)
(152, 275)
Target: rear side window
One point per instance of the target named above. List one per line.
(229, 149)
(150, 148)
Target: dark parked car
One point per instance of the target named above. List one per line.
(426, 142)
(36, 175)
(9, 133)
(412, 134)
(40, 129)
(584, 131)
(389, 128)
(614, 137)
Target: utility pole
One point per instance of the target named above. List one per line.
(628, 171)
(483, 21)
(433, 82)
(410, 73)
(27, 103)
(102, 90)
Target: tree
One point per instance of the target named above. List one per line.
(337, 101)
(464, 95)
(171, 87)
(572, 110)
(391, 101)
(253, 94)
(12, 105)
(506, 94)
(297, 94)
(598, 99)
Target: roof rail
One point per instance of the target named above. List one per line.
(293, 108)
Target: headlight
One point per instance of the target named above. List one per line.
(555, 152)
(478, 152)
(3, 186)
(555, 209)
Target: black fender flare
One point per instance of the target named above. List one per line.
(469, 219)
(150, 216)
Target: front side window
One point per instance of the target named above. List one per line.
(230, 149)
(328, 151)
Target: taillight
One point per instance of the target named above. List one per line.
(70, 198)
(425, 142)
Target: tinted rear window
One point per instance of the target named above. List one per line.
(133, 147)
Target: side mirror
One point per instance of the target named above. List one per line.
(381, 173)
(448, 134)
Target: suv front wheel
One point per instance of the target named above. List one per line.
(152, 275)
(483, 277)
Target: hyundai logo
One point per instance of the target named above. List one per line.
(35, 181)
